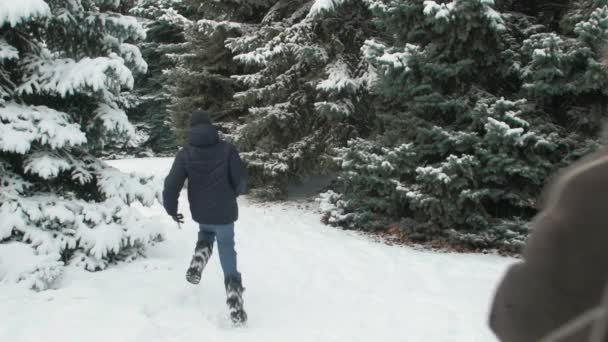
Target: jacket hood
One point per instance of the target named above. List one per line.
(203, 135)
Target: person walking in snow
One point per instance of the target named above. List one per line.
(216, 177)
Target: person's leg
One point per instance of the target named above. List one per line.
(232, 277)
(202, 254)
(206, 233)
(228, 255)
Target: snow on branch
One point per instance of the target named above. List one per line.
(276, 163)
(251, 80)
(331, 205)
(173, 17)
(246, 42)
(121, 26)
(321, 6)
(114, 120)
(338, 79)
(67, 76)
(11, 184)
(132, 55)
(439, 11)
(14, 12)
(7, 51)
(111, 3)
(341, 108)
(83, 169)
(495, 18)
(596, 27)
(297, 41)
(161, 11)
(87, 234)
(448, 11)
(7, 86)
(46, 165)
(19, 263)
(128, 188)
(279, 113)
(261, 56)
(388, 59)
(205, 25)
(21, 126)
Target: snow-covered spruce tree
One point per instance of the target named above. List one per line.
(202, 77)
(564, 73)
(165, 22)
(304, 87)
(65, 71)
(468, 140)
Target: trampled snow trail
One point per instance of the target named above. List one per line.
(305, 282)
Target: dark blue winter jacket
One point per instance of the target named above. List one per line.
(216, 177)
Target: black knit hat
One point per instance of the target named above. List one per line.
(200, 117)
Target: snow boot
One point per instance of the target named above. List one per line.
(202, 254)
(234, 292)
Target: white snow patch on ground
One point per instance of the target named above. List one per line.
(305, 282)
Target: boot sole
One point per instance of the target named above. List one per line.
(239, 323)
(193, 280)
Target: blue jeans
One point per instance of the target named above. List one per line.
(224, 233)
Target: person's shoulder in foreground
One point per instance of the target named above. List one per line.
(565, 261)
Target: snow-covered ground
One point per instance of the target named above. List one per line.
(305, 282)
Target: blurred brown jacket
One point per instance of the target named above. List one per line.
(556, 291)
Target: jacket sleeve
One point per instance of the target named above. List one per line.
(238, 173)
(174, 183)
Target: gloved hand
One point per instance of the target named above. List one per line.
(179, 218)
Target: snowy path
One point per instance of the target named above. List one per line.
(305, 282)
